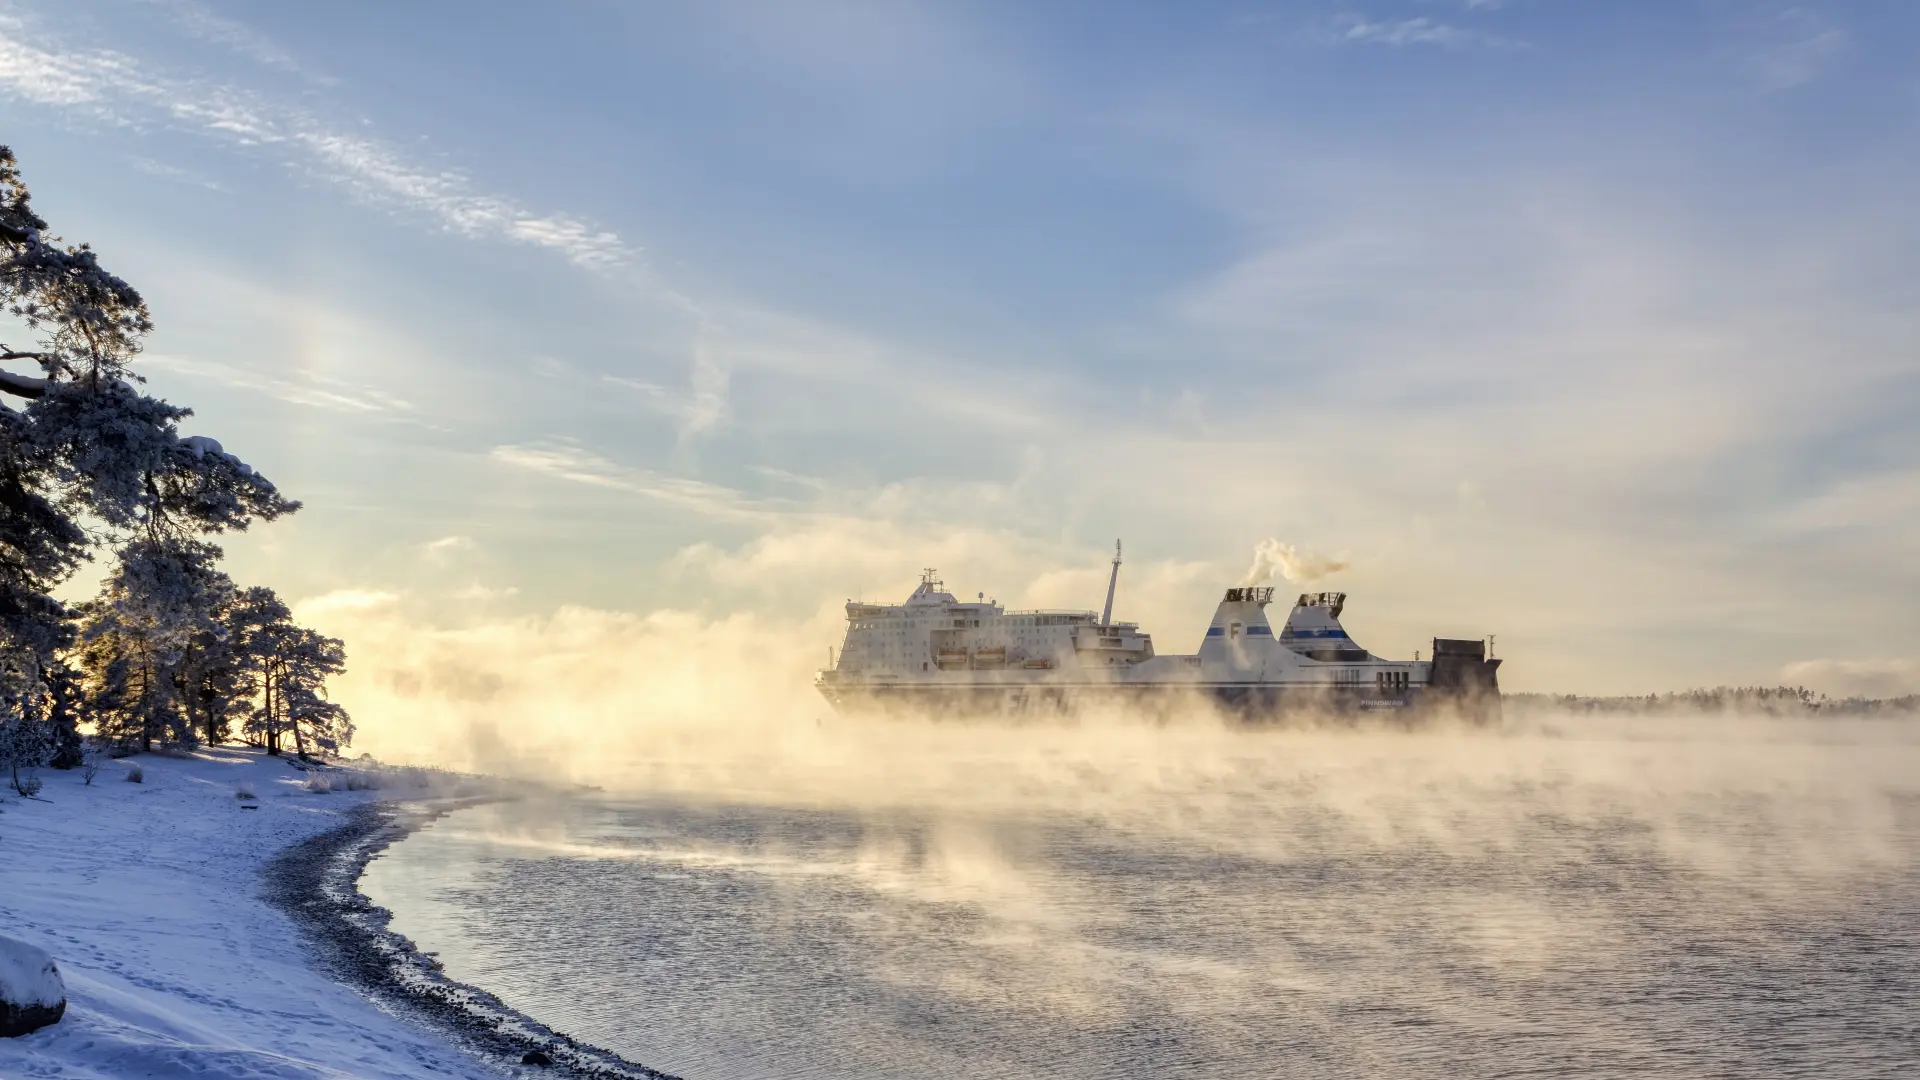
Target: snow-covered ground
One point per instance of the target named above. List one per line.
(149, 897)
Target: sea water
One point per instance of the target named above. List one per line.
(1671, 897)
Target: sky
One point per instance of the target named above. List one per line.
(660, 328)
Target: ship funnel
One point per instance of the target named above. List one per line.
(1313, 629)
(1240, 636)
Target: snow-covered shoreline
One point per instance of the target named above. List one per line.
(150, 896)
(316, 882)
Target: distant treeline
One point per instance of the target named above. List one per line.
(1742, 700)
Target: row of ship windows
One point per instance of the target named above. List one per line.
(962, 624)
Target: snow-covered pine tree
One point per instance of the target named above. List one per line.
(26, 742)
(89, 449)
(63, 716)
(316, 721)
(216, 680)
(291, 666)
(251, 622)
(143, 643)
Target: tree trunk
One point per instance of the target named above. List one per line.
(273, 732)
(208, 702)
(293, 722)
(299, 742)
(146, 708)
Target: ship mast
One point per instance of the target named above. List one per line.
(1106, 617)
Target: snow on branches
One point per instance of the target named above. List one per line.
(172, 650)
(116, 455)
(90, 320)
(144, 641)
(293, 664)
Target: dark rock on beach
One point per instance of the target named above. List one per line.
(32, 994)
(17, 1020)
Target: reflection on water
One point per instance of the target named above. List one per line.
(1656, 898)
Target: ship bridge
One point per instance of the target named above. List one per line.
(931, 592)
(933, 631)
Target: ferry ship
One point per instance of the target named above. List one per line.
(935, 654)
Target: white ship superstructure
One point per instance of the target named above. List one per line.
(935, 652)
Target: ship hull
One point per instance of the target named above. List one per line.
(1249, 703)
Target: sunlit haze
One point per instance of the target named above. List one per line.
(612, 348)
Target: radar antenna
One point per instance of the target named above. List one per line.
(1106, 617)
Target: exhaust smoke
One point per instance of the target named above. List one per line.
(1294, 564)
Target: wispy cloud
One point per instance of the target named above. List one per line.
(376, 172)
(1360, 30)
(699, 409)
(1793, 47)
(566, 460)
(1875, 500)
(1870, 677)
(98, 86)
(175, 173)
(343, 600)
(199, 21)
(447, 547)
(316, 390)
(477, 592)
(811, 483)
(105, 86)
(52, 78)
